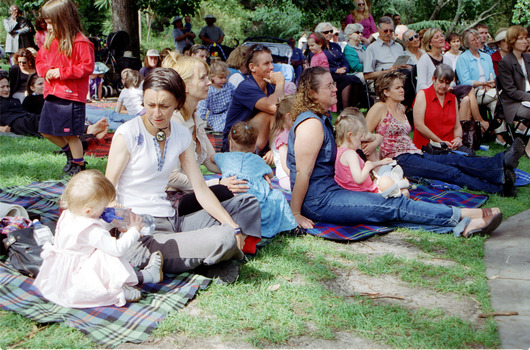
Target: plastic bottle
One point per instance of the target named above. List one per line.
(119, 217)
(42, 233)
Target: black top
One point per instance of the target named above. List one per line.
(33, 103)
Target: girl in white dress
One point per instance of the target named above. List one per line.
(85, 265)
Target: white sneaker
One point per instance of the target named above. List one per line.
(153, 273)
(131, 294)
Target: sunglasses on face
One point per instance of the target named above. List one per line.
(358, 32)
(22, 62)
(386, 31)
(327, 31)
(415, 36)
(360, 4)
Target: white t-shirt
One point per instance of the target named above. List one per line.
(132, 99)
(142, 184)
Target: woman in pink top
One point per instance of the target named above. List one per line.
(362, 15)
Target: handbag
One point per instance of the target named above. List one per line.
(486, 97)
(23, 251)
(471, 134)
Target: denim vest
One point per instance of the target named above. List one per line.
(322, 178)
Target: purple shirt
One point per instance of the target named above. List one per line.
(367, 23)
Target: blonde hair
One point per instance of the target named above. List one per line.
(283, 106)
(88, 188)
(237, 58)
(185, 66)
(244, 135)
(65, 22)
(131, 78)
(427, 37)
(350, 120)
(219, 67)
(359, 16)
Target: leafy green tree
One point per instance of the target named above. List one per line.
(521, 15)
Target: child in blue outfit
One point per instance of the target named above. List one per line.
(276, 215)
(215, 107)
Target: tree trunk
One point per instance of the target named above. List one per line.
(125, 17)
(439, 6)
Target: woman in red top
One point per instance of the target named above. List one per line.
(436, 112)
(65, 61)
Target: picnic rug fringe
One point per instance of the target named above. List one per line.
(107, 326)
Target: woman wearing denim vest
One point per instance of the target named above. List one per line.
(317, 197)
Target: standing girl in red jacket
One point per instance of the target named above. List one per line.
(65, 61)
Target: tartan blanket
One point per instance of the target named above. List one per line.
(108, 326)
(364, 231)
(522, 179)
(39, 198)
(107, 104)
(216, 139)
(99, 147)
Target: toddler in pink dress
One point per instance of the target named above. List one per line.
(85, 267)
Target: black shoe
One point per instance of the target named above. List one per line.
(225, 272)
(68, 165)
(74, 169)
(509, 189)
(512, 154)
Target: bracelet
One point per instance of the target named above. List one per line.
(237, 230)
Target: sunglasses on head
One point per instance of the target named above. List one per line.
(327, 31)
(415, 36)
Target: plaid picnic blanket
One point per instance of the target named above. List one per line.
(39, 198)
(99, 147)
(522, 179)
(104, 104)
(216, 139)
(108, 326)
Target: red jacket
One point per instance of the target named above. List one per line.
(74, 71)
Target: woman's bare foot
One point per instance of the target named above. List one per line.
(483, 226)
(99, 129)
(5, 128)
(473, 213)
(474, 224)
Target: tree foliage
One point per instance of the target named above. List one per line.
(521, 15)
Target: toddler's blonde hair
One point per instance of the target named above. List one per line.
(350, 120)
(88, 188)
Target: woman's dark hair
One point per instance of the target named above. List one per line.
(320, 39)
(444, 72)
(451, 36)
(31, 82)
(309, 82)
(169, 80)
(252, 55)
(4, 75)
(40, 23)
(385, 81)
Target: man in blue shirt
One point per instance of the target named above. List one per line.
(482, 30)
(255, 98)
(297, 60)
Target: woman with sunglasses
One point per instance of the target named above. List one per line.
(362, 15)
(349, 85)
(316, 196)
(354, 50)
(19, 73)
(412, 41)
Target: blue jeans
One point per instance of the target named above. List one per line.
(115, 119)
(476, 173)
(343, 207)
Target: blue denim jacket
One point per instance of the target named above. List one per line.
(467, 67)
(322, 178)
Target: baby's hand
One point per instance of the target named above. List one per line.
(135, 221)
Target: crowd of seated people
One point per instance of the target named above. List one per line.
(417, 82)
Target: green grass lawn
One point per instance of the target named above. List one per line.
(286, 291)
